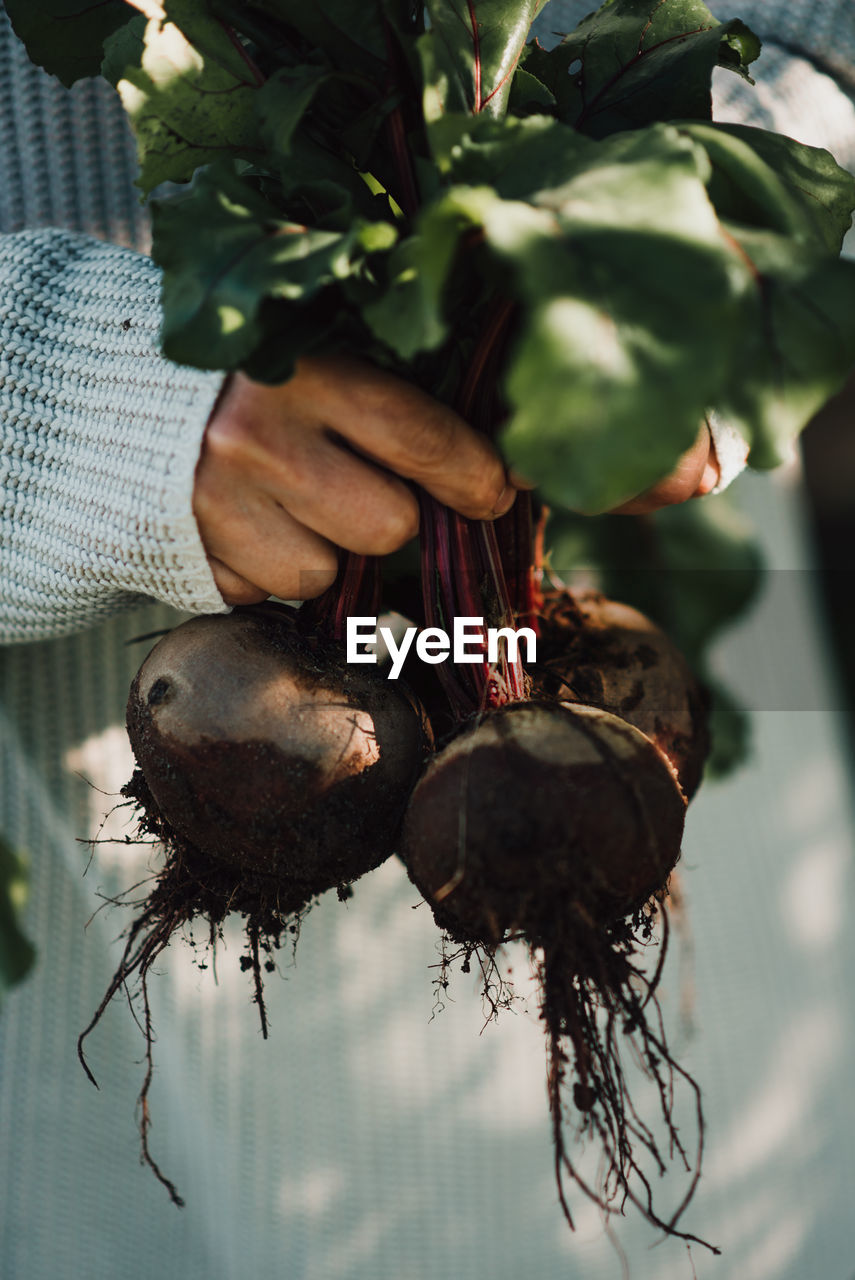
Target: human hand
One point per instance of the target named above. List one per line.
(696, 473)
(290, 473)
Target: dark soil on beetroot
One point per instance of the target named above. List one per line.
(634, 673)
(499, 832)
(253, 829)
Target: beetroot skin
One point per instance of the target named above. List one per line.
(536, 804)
(270, 771)
(603, 653)
(557, 825)
(266, 751)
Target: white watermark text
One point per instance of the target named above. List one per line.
(470, 641)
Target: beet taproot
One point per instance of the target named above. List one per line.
(269, 771)
(266, 750)
(536, 804)
(557, 825)
(602, 653)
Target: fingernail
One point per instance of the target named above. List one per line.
(505, 501)
(709, 479)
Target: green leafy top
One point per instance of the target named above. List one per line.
(187, 90)
(387, 176)
(630, 64)
(67, 36)
(471, 52)
(383, 175)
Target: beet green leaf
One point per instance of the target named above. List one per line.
(354, 36)
(637, 61)
(470, 53)
(283, 102)
(187, 90)
(634, 302)
(311, 122)
(225, 250)
(798, 341)
(766, 180)
(66, 37)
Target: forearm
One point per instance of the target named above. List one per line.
(99, 440)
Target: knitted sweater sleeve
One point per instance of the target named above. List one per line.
(99, 439)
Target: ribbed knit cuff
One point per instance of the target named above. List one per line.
(100, 439)
(731, 449)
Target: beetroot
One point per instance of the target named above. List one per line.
(537, 806)
(602, 653)
(552, 817)
(270, 771)
(267, 752)
(557, 825)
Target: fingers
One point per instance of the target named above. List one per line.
(695, 474)
(406, 430)
(232, 587)
(711, 473)
(257, 549)
(321, 484)
(354, 504)
(317, 481)
(289, 473)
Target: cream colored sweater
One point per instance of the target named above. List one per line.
(363, 1141)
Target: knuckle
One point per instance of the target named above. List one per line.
(227, 433)
(399, 524)
(256, 443)
(432, 441)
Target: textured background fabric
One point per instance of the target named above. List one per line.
(366, 1140)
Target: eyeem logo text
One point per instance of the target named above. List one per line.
(470, 641)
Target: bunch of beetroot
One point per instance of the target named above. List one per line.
(524, 232)
(544, 805)
(541, 806)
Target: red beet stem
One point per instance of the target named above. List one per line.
(463, 566)
(356, 591)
